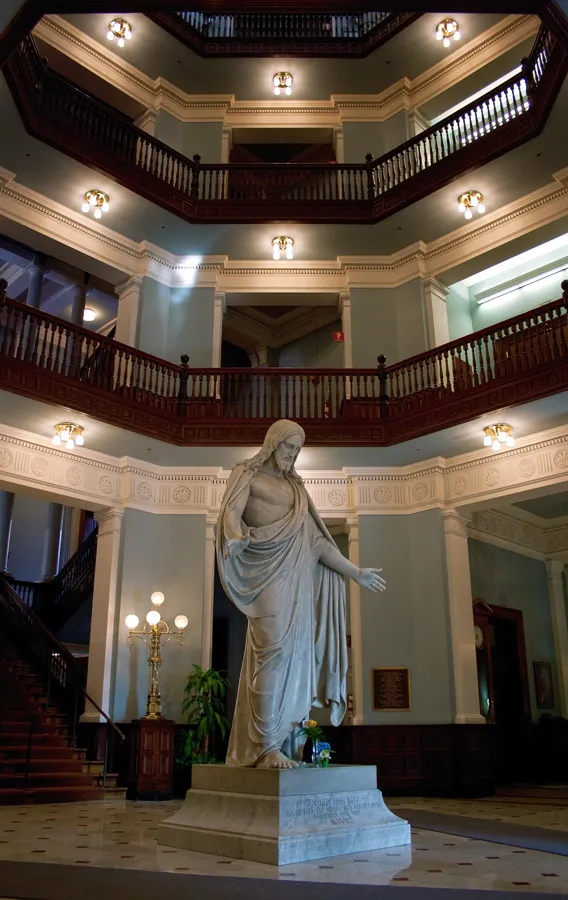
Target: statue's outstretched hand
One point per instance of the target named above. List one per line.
(370, 578)
(236, 546)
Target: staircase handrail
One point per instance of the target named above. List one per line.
(61, 664)
(82, 563)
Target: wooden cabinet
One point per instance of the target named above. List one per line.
(151, 760)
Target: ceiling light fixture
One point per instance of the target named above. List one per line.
(96, 200)
(447, 29)
(470, 200)
(282, 81)
(89, 315)
(282, 245)
(119, 29)
(69, 434)
(498, 435)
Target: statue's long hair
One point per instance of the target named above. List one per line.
(278, 432)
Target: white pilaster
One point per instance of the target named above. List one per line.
(219, 309)
(339, 145)
(103, 618)
(226, 143)
(436, 312)
(464, 662)
(554, 569)
(345, 310)
(356, 627)
(128, 311)
(147, 121)
(208, 593)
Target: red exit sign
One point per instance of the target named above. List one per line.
(338, 336)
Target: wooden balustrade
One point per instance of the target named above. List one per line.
(294, 34)
(521, 359)
(95, 133)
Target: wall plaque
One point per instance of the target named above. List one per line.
(391, 689)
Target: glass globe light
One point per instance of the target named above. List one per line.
(65, 435)
(132, 621)
(85, 207)
(468, 214)
(157, 598)
(446, 42)
(120, 42)
(128, 35)
(56, 440)
(480, 208)
(92, 201)
(496, 445)
(487, 440)
(105, 207)
(474, 200)
(153, 617)
(97, 213)
(461, 207)
(110, 35)
(70, 444)
(439, 35)
(288, 91)
(181, 622)
(510, 441)
(79, 440)
(277, 91)
(457, 35)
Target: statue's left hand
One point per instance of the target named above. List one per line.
(370, 578)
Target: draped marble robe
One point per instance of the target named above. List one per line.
(296, 649)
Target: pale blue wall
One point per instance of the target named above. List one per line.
(458, 306)
(165, 553)
(315, 350)
(174, 321)
(29, 519)
(190, 137)
(390, 321)
(504, 578)
(408, 624)
(360, 138)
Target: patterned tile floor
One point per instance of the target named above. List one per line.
(122, 834)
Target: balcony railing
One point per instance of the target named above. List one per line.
(294, 34)
(521, 359)
(78, 124)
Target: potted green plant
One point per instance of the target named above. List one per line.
(204, 706)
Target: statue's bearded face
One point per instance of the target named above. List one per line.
(287, 451)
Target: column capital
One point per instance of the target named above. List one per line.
(454, 523)
(125, 287)
(220, 301)
(352, 529)
(433, 286)
(344, 300)
(554, 568)
(109, 520)
(147, 121)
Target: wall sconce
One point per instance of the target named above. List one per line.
(497, 435)
(155, 633)
(282, 244)
(447, 29)
(470, 200)
(69, 434)
(97, 201)
(282, 81)
(119, 29)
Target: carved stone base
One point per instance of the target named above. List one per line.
(283, 816)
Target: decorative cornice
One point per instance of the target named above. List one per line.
(453, 485)
(510, 531)
(420, 260)
(406, 94)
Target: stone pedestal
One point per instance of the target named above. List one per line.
(283, 816)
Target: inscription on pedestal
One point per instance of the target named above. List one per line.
(344, 809)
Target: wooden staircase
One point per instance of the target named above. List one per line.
(41, 698)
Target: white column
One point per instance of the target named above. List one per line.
(219, 310)
(226, 143)
(208, 594)
(128, 311)
(345, 310)
(339, 146)
(436, 312)
(356, 627)
(554, 569)
(147, 121)
(6, 507)
(36, 272)
(51, 541)
(65, 553)
(103, 617)
(464, 660)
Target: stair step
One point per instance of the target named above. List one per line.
(20, 751)
(46, 779)
(59, 794)
(21, 738)
(59, 764)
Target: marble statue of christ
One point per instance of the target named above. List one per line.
(280, 566)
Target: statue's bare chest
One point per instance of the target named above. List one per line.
(269, 500)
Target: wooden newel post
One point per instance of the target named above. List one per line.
(564, 286)
(182, 389)
(370, 179)
(195, 175)
(383, 390)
